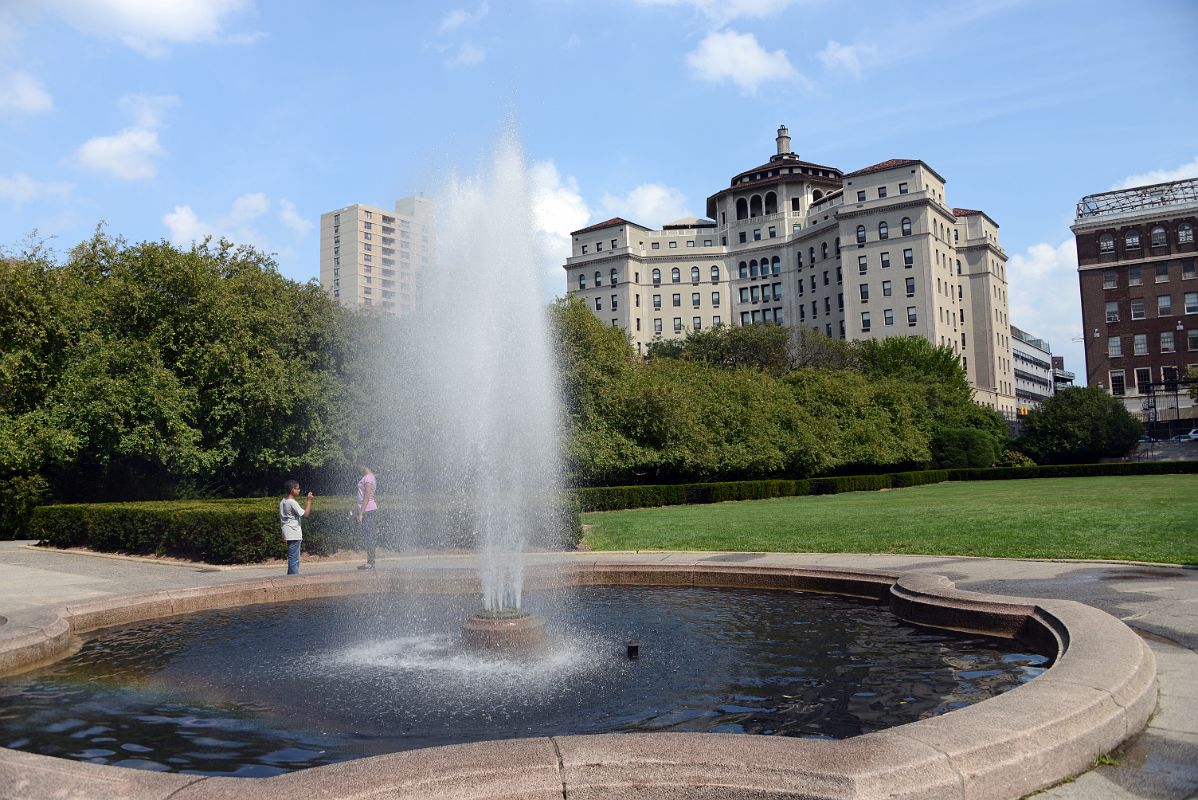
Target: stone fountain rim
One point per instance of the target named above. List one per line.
(1100, 690)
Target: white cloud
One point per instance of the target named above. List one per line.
(129, 155)
(20, 189)
(557, 208)
(848, 57)
(20, 91)
(722, 12)
(184, 226)
(650, 204)
(1189, 170)
(249, 206)
(729, 56)
(290, 217)
(132, 154)
(1045, 300)
(149, 26)
(460, 17)
(467, 56)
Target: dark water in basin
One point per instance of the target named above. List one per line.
(268, 689)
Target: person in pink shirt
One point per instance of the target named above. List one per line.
(364, 513)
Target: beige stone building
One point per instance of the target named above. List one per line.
(371, 258)
(869, 254)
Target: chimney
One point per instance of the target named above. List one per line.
(783, 141)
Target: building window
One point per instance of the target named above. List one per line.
(715, 321)
(675, 275)
(598, 279)
(598, 303)
(902, 188)
(1143, 378)
(908, 258)
(1117, 387)
(1185, 233)
(1131, 239)
(673, 245)
(694, 299)
(638, 327)
(715, 274)
(655, 245)
(742, 237)
(755, 294)
(614, 278)
(677, 300)
(865, 322)
(861, 196)
(828, 306)
(1114, 347)
(883, 230)
(838, 276)
(776, 266)
(906, 225)
(677, 324)
(823, 250)
(1164, 305)
(657, 326)
(1109, 279)
(696, 323)
(757, 234)
(715, 299)
(811, 255)
(1166, 341)
(1134, 276)
(1140, 344)
(1137, 308)
(694, 275)
(584, 249)
(885, 260)
(744, 294)
(657, 302)
(773, 232)
(1106, 244)
(1191, 302)
(911, 318)
(1192, 340)
(753, 268)
(615, 303)
(1157, 237)
(864, 291)
(582, 281)
(744, 319)
(1162, 273)
(881, 192)
(840, 302)
(861, 233)
(690, 243)
(777, 287)
(862, 264)
(888, 317)
(657, 277)
(825, 277)
(886, 288)
(1187, 269)
(910, 287)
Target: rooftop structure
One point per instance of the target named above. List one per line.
(1172, 195)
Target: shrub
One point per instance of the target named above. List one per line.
(903, 480)
(19, 495)
(962, 447)
(849, 483)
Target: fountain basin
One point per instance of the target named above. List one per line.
(1100, 690)
(507, 630)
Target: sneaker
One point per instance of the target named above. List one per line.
(367, 565)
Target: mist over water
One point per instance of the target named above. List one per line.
(473, 399)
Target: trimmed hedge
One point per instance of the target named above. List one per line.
(614, 498)
(247, 530)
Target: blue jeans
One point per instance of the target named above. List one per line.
(293, 553)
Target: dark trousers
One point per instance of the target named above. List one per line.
(368, 535)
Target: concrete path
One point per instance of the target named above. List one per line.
(1159, 602)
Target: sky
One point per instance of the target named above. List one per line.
(176, 119)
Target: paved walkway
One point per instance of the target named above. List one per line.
(1161, 603)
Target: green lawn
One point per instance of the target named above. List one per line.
(1141, 518)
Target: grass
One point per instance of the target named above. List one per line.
(1133, 518)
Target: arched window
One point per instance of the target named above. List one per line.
(1132, 239)
(694, 274)
(582, 281)
(838, 246)
(823, 250)
(657, 277)
(860, 234)
(771, 203)
(743, 270)
(598, 278)
(615, 279)
(1106, 243)
(715, 274)
(816, 196)
(776, 266)
(742, 209)
(811, 255)
(907, 226)
(883, 230)
(755, 206)
(958, 266)
(753, 268)
(799, 255)
(1185, 233)
(676, 275)
(1158, 237)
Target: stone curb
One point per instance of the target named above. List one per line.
(1100, 690)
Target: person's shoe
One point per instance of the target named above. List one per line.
(367, 565)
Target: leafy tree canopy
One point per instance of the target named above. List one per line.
(1079, 425)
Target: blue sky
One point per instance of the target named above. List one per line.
(248, 118)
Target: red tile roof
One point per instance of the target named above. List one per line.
(610, 223)
(887, 164)
(965, 212)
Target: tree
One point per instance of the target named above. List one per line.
(1079, 425)
(763, 347)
